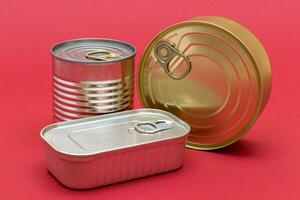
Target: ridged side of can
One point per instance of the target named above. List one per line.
(91, 77)
(84, 99)
(116, 167)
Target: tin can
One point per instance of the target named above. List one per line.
(106, 149)
(212, 73)
(91, 77)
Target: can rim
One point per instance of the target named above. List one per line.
(53, 47)
(260, 100)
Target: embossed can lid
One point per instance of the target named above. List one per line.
(93, 50)
(116, 131)
(212, 73)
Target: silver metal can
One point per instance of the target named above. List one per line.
(91, 77)
(106, 149)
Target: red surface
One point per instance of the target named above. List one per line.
(263, 165)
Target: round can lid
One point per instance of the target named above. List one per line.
(93, 50)
(212, 73)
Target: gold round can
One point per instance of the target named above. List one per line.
(212, 73)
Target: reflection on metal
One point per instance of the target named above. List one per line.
(91, 77)
(102, 150)
(224, 91)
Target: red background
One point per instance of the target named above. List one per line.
(263, 165)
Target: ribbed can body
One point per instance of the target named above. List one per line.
(83, 89)
(115, 168)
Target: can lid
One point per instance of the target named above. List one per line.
(212, 73)
(104, 133)
(93, 50)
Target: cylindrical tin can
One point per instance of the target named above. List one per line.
(211, 72)
(107, 149)
(91, 77)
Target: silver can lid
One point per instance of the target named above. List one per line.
(99, 134)
(93, 50)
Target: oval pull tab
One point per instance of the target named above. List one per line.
(150, 127)
(102, 55)
(164, 52)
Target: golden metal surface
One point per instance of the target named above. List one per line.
(227, 87)
(165, 53)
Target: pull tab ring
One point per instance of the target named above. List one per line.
(164, 52)
(102, 55)
(156, 126)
